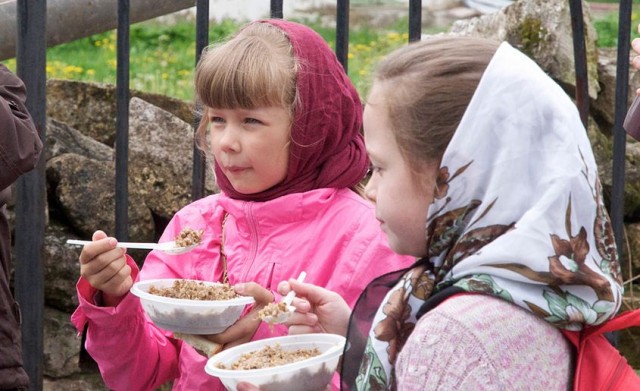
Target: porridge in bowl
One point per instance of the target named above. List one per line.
(270, 356)
(190, 306)
(195, 290)
(302, 362)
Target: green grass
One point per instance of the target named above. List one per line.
(162, 57)
(607, 25)
(607, 28)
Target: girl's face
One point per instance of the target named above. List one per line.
(251, 146)
(401, 200)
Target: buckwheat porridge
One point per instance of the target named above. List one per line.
(272, 310)
(195, 290)
(270, 356)
(188, 237)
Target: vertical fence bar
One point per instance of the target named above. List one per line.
(276, 9)
(619, 135)
(415, 20)
(31, 189)
(122, 122)
(580, 59)
(342, 33)
(202, 40)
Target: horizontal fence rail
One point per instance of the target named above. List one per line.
(30, 205)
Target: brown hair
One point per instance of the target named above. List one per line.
(229, 76)
(431, 84)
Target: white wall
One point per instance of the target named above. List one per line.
(255, 9)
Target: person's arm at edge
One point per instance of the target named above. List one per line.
(21, 144)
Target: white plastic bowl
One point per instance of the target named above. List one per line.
(312, 374)
(188, 316)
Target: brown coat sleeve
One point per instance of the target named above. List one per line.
(20, 144)
(20, 148)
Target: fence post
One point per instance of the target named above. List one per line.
(415, 20)
(122, 123)
(31, 189)
(202, 40)
(619, 135)
(342, 33)
(276, 9)
(580, 60)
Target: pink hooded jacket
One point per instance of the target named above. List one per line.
(331, 234)
(310, 221)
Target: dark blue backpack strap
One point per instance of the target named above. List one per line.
(438, 298)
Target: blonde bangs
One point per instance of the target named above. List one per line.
(251, 70)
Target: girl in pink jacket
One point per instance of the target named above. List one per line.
(282, 123)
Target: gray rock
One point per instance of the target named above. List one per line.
(62, 138)
(79, 382)
(84, 191)
(161, 157)
(541, 29)
(87, 107)
(61, 344)
(603, 108)
(61, 268)
(91, 107)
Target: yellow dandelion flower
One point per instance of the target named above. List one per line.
(394, 36)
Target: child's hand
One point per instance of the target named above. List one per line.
(243, 330)
(635, 44)
(317, 309)
(105, 267)
(635, 62)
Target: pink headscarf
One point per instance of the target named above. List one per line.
(327, 146)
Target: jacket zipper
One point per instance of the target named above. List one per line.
(253, 237)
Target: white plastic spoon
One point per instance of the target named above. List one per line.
(166, 247)
(287, 300)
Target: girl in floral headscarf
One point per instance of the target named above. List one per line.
(482, 168)
(282, 124)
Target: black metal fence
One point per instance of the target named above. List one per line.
(30, 189)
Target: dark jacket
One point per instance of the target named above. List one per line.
(20, 148)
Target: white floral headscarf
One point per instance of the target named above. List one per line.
(519, 215)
